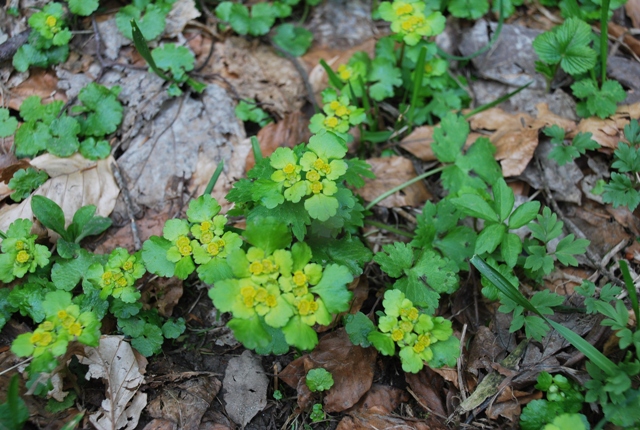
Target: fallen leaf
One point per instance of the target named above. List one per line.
(391, 172)
(618, 31)
(256, 72)
(182, 11)
(351, 366)
(380, 399)
(375, 422)
(632, 7)
(42, 83)
(159, 424)
(73, 182)
(288, 132)
(115, 363)
(428, 387)
(188, 134)
(607, 132)
(484, 350)
(162, 294)
(245, 388)
(184, 404)
(509, 409)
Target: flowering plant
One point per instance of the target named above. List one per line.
(409, 21)
(20, 253)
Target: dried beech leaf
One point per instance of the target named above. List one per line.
(420, 140)
(115, 363)
(245, 388)
(391, 172)
(73, 182)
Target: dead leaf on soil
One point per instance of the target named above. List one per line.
(484, 350)
(185, 142)
(186, 402)
(42, 83)
(115, 362)
(162, 294)
(608, 132)
(149, 225)
(375, 422)
(182, 11)
(428, 387)
(380, 399)
(288, 132)
(245, 388)
(256, 72)
(618, 31)
(351, 366)
(73, 182)
(391, 172)
(632, 7)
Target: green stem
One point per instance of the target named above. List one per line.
(389, 228)
(417, 85)
(402, 186)
(604, 19)
(401, 58)
(214, 179)
(3, 235)
(255, 146)
(305, 13)
(631, 289)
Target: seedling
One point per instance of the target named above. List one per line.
(319, 380)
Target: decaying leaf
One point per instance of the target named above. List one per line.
(428, 387)
(115, 362)
(351, 367)
(73, 182)
(391, 172)
(419, 142)
(376, 421)
(245, 387)
(380, 399)
(182, 11)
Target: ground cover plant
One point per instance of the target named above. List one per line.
(326, 283)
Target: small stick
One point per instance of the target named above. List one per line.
(127, 203)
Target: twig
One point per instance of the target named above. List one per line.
(593, 258)
(127, 203)
(463, 391)
(9, 48)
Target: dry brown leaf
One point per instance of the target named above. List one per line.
(73, 182)
(632, 7)
(157, 424)
(380, 399)
(115, 363)
(509, 409)
(185, 403)
(182, 11)
(245, 387)
(42, 83)
(256, 72)
(375, 422)
(290, 131)
(350, 365)
(391, 172)
(162, 294)
(420, 140)
(608, 132)
(484, 350)
(428, 386)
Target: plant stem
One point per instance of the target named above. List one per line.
(255, 146)
(401, 55)
(604, 19)
(305, 13)
(389, 228)
(417, 85)
(401, 186)
(3, 235)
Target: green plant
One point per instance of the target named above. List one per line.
(149, 15)
(14, 412)
(293, 39)
(622, 189)
(564, 154)
(562, 397)
(252, 112)
(20, 253)
(169, 61)
(339, 115)
(317, 413)
(47, 128)
(24, 181)
(319, 379)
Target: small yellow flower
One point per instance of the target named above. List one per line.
(334, 104)
(206, 237)
(304, 307)
(75, 329)
(127, 266)
(20, 245)
(397, 335)
(289, 169)
(23, 257)
(261, 295)
(271, 301)
(331, 122)
(342, 111)
(184, 246)
(47, 326)
(206, 226)
(405, 9)
(406, 326)
(122, 282)
(213, 249)
(62, 314)
(313, 175)
(299, 278)
(344, 72)
(316, 187)
(256, 268)
(51, 21)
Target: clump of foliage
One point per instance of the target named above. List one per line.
(319, 380)
(564, 153)
(149, 15)
(562, 397)
(250, 111)
(47, 128)
(622, 189)
(24, 181)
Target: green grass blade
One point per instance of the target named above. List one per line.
(255, 146)
(333, 78)
(214, 178)
(631, 289)
(604, 40)
(386, 194)
(143, 49)
(496, 101)
(505, 287)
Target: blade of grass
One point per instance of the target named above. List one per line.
(506, 288)
(214, 178)
(333, 78)
(255, 146)
(496, 101)
(631, 289)
(143, 49)
(417, 85)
